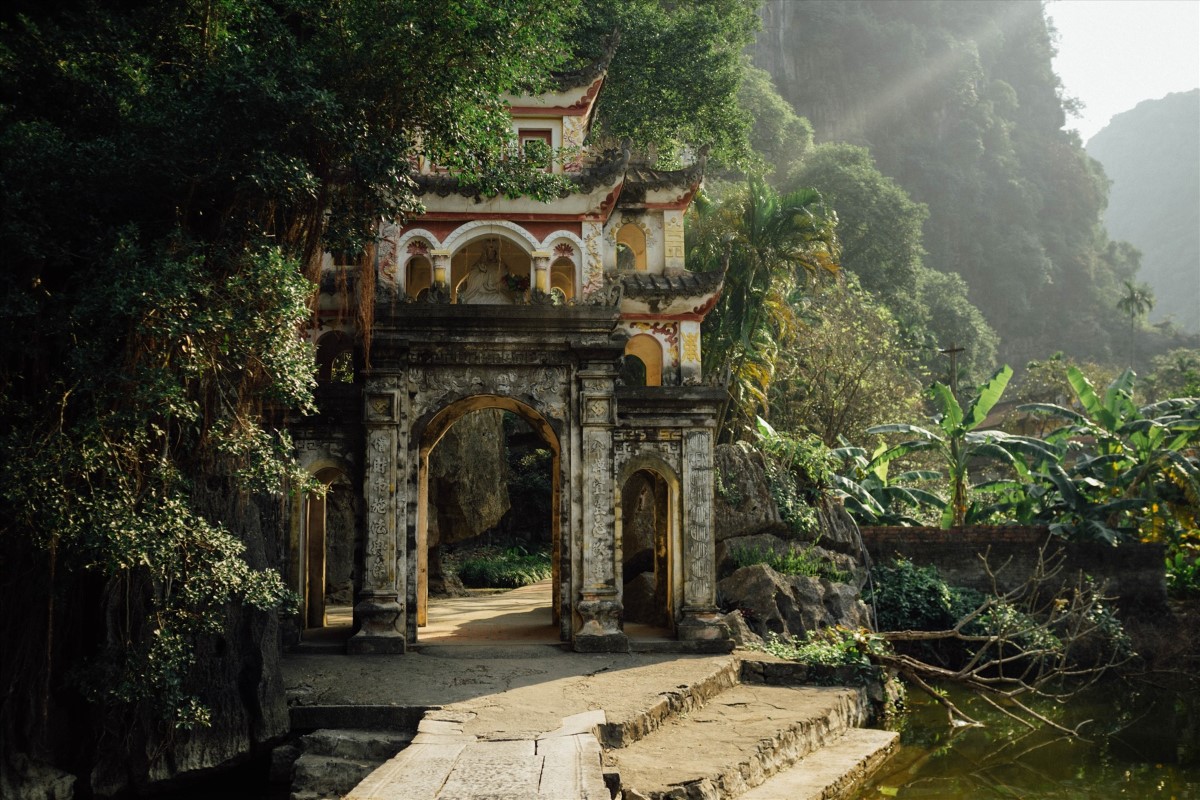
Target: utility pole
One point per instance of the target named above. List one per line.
(953, 350)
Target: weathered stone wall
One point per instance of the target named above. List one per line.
(1133, 573)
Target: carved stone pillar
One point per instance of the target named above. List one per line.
(379, 614)
(441, 268)
(541, 271)
(599, 605)
(700, 618)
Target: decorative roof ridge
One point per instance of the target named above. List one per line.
(587, 74)
(643, 175)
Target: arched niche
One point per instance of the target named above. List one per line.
(418, 275)
(648, 350)
(562, 277)
(478, 255)
(631, 247)
(329, 539)
(335, 358)
(428, 436)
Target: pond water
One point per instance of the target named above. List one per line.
(1144, 741)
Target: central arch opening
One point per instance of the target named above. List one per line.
(488, 535)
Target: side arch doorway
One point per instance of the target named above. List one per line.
(648, 529)
(531, 524)
(332, 550)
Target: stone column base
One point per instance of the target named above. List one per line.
(600, 632)
(378, 617)
(702, 624)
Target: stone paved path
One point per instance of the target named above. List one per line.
(511, 719)
(444, 763)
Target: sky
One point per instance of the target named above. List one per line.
(1112, 54)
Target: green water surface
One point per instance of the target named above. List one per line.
(1143, 741)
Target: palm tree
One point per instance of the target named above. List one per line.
(772, 246)
(1136, 303)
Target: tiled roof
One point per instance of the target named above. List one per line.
(645, 285)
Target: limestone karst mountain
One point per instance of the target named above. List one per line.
(1150, 154)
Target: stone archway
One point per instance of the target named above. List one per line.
(329, 546)
(648, 529)
(434, 430)
(554, 367)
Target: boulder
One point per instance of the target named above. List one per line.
(468, 478)
(326, 764)
(790, 605)
(743, 505)
(739, 631)
(22, 778)
(838, 529)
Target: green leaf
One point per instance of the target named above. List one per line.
(989, 395)
(1084, 391)
(904, 428)
(1053, 410)
(952, 415)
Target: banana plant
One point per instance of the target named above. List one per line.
(960, 443)
(873, 499)
(1136, 456)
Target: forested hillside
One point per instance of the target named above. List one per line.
(1150, 154)
(958, 104)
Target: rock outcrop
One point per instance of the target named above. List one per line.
(790, 605)
(468, 475)
(743, 505)
(236, 675)
(468, 489)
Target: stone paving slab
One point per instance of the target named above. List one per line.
(446, 764)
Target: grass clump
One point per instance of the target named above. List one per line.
(510, 568)
(795, 561)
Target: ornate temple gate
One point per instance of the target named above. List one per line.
(557, 368)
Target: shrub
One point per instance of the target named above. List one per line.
(506, 569)
(829, 647)
(908, 597)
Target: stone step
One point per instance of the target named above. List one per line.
(328, 763)
(628, 725)
(837, 771)
(735, 741)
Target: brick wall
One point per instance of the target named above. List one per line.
(1132, 573)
